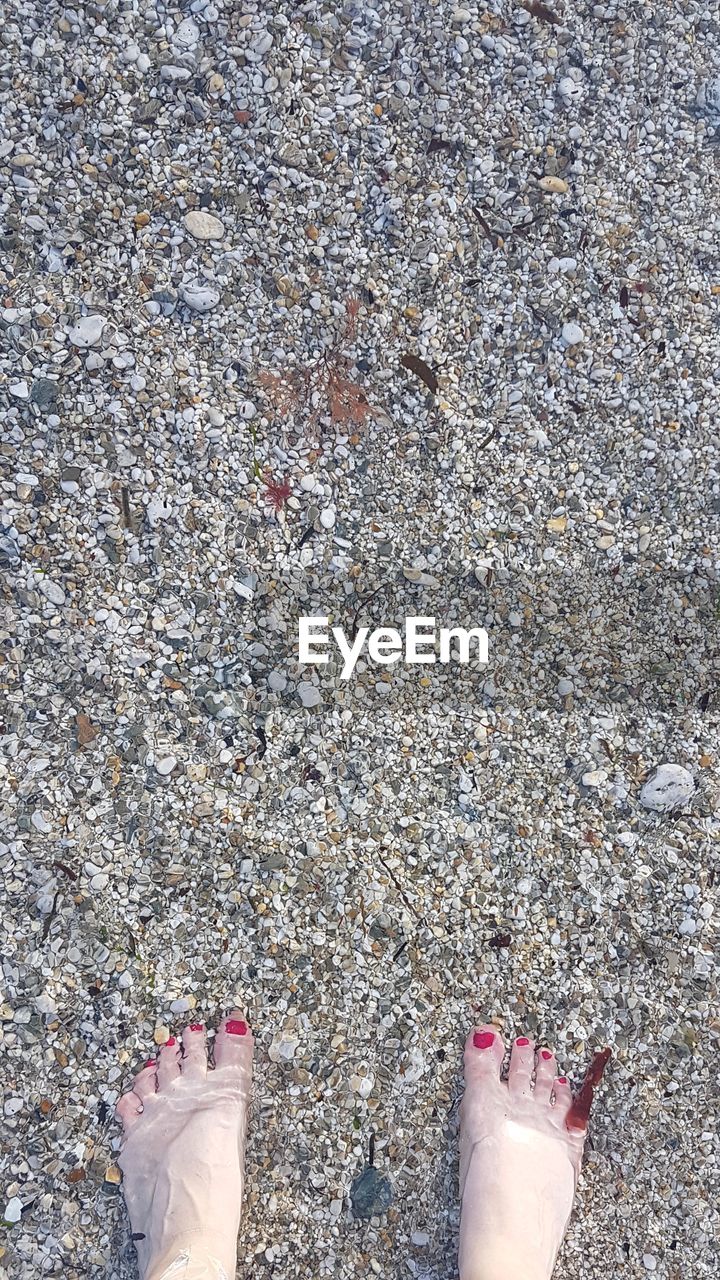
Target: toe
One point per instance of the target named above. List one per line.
(168, 1064)
(545, 1070)
(145, 1082)
(194, 1062)
(234, 1044)
(562, 1094)
(522, 1063)
(484, 1053)
(128, 1110)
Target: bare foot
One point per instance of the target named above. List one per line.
(183, 1154)
(521, 1145)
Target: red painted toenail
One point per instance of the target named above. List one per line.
(234, 1028)
(561, 1080)
(522, 1041)
(151, 1062)
(196, 1026)
(170, 1042)
(483, 1039)
(546, 1054)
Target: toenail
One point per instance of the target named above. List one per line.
(196, 1026)
(546, 1054)
(522, 1041)
(151, 1062)
(236, 1028)
(170, 1042)
(483, 1039)
(561, 1080)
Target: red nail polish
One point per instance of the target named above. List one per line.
(483, 1039)
(522, 1041)
(546, 1054)
(561, 1080)
(170, 1042)
(236, 1028)
(151, 1062)
(196, 1026)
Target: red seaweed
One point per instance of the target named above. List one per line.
(579, 1112)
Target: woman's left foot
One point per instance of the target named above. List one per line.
(183, 1154)
(521, 1145)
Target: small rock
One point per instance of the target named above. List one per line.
(670, 787)
(20, 390)
(421, 579)
(277, 681)
(327, 518)
(173, 74)
(199, 297)
(604, 543)
(52, 591)
(43, 393)
(553, 185)
(166, 765)
(13, 1210)
(183, 1004)
(564, 686)
(161, 1035)
(309, 694)
(113, 1175)
(370, 1194)
(572, 333)
(203, 226)
(87, 332)
(420, 1238)
(594, 777)
(187, 34)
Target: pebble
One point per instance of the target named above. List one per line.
(553, 185)
(199, 297)
(203, 226)
(20, 390)
(671, 787)
(420, 578)
(327, 518)
(572, 333)
(309, 694)
(13, 1210)
(87, 331)
(166, 765)
(370, 1194)
(594, 777)
(43, 392)
(52, 591)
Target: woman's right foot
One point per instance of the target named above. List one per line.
(183, 1154)
(521, 1145)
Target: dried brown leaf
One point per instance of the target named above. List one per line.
(86, 732)
(421, 370)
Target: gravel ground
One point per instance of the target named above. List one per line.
(365, 311)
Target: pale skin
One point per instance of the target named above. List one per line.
(521, 1145)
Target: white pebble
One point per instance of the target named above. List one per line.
(572, 333)
(166, 765)
(13, 1210)
(309, 694)
(87, 332)
(203, 226)
(670, 787)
